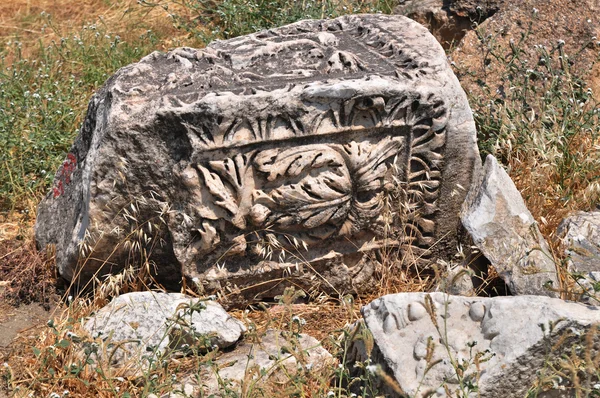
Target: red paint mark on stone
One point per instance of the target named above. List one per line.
(59, 189)
(64, 175)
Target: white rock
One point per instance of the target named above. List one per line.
(271, 355)
(511, 336)
(142, 326)
(580, 235)
(497, 219)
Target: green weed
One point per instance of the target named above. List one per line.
(540, 118)
(42, 101)
(209, 19)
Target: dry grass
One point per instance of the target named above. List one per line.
(27, 21)
(32, 277)
(29, 275)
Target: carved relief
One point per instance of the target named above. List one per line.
(314, 160)
(333, 188)
(428, 340)
(334, 138)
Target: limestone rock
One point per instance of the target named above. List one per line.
(457, 279)
(143, 326)
(510, 337)
(269, 157)
(500, 225)
(273, 355)
(586, 288)
(580, 235)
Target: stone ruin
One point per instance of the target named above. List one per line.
(293, 154)
(437, 345)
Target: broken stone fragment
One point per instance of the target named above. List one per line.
(580, 234)
(448, 20)
(273, 357)
(502, 227)
(139, 328)
(433, 343)
(457, 279)
(290, 154)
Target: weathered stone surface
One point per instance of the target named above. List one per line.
(580, 234)
(274, 356)
(497, 219)
(249, 160)
(448, 20)
(511, 336)
(457, 279)
(143, 326)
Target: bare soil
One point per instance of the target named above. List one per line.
(19, 326)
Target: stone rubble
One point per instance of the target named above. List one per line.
(273, 356)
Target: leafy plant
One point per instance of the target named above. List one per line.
(42, 101)
(209, 19)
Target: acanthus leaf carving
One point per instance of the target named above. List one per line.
(373, 163)
(311, 203)
(215, 185)
(209, 238)
(232, 169)
(332, 189)
(341, 61)
(316, 198)
(293, 162)
(369, 166)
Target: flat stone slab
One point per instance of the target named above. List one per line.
(433, 342)
(291, 153)
(139, 328)
(273, 356)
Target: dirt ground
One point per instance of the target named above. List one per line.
(22, 314)
(18, 320)
(18, 325)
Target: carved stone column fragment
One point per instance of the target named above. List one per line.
(439, 345)
(293, 154)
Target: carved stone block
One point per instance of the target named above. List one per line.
(438, 345)
(290, 154)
